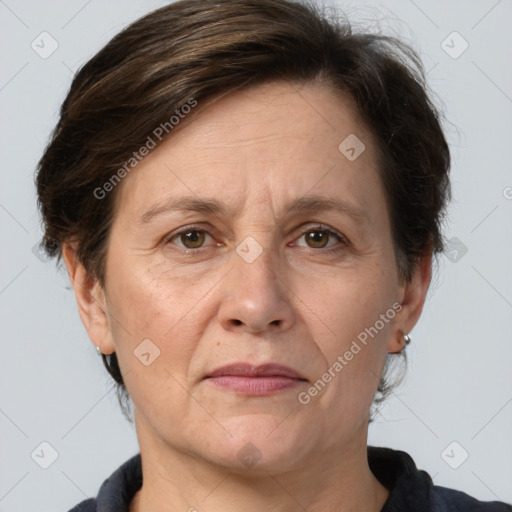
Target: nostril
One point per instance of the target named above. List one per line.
(237, 322)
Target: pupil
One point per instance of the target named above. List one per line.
(317, 237)
(192, 238)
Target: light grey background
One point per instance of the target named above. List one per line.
(459, 384)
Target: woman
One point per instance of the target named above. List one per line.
(248, 199)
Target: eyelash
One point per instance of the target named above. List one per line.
(343, 242)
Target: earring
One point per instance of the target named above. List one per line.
(98, 349)
(407, 340)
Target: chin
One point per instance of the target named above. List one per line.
(259, 442)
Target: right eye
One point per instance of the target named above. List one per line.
(189, 238)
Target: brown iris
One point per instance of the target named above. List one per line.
(317, 239)
(195, 238)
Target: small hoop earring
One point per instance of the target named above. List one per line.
(98, 349)
(407, 340)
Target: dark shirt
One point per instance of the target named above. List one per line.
(411, 490)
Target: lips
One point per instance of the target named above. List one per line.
(246, 379)
(248, 370)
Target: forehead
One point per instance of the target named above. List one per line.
(283, 137)
(272, 111)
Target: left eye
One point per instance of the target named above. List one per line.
(318, 238)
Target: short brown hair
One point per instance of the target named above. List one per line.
(200, 49)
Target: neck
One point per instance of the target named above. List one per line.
(338, 480)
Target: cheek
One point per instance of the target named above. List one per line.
(155, 330)
(152, 313)
(148, 301)
(354, 317)
(350, 301)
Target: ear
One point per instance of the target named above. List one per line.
(91, 301)
(412, 298)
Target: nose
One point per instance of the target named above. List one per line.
(256, 298)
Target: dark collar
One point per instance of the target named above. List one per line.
(410, 489)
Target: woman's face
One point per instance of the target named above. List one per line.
(250, 236)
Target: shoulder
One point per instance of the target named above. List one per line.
(413, 489)
(117, 490)
(457, 501)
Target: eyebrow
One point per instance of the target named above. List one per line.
(188, 203)
(212, 206)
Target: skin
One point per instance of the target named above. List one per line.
(296, 304)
